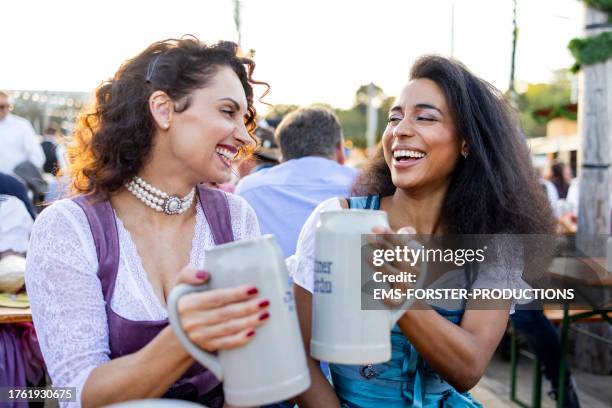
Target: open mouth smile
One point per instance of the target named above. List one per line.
(404, 157)
(226, 154)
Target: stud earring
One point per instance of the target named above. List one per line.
(464, 150)
(166, 125)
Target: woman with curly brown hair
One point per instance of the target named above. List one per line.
(451, 161)
(101, 264)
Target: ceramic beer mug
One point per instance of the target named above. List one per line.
(342, 332)
(272, 367)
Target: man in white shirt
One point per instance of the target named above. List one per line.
(18, 141)
(15, 225)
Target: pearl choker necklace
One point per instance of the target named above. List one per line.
(157, 199)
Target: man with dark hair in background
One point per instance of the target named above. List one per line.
(54, 153)
(311, 171)
(266, 155)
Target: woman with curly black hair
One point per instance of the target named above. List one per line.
(101, 264)
(451, 161)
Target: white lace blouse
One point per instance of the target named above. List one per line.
(65, 293)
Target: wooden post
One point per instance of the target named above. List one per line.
(595, 128)
(512, 87)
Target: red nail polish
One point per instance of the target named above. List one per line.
(252, 291)
(251, 333)
(264, 316)
(202, 275)
(264, 303)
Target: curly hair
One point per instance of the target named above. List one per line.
(496, 188)
(113, 140)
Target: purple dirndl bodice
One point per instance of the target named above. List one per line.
(128, 336)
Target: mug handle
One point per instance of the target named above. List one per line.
(208, 360)
(396, 314)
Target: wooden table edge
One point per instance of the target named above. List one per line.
(15, 315)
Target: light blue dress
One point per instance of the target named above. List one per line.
(404, 381)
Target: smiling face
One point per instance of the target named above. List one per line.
(420, 143)
(207, 136)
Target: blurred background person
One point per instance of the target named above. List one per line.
(561, 177)
(17, 138)
(15, 226)
(573, 194)
(549, 187)
(55, 158)
(543, 339)
(20, 152)
(311, 171)
(11, 186)
(531, 323)
(265, 156)
(56, 165)
(566, 207)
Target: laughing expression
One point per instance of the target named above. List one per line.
(420, 144)
(207, 136)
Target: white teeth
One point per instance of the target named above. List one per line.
(408, 153)
(225, 153)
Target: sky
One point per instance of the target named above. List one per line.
(308, 51)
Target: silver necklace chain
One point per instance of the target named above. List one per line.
(158, 200)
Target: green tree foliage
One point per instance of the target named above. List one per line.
(536, 96)
(354, 120)
(603, 5)
(361, 96)
(593, 49)
(540, 96)
(353, 125)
